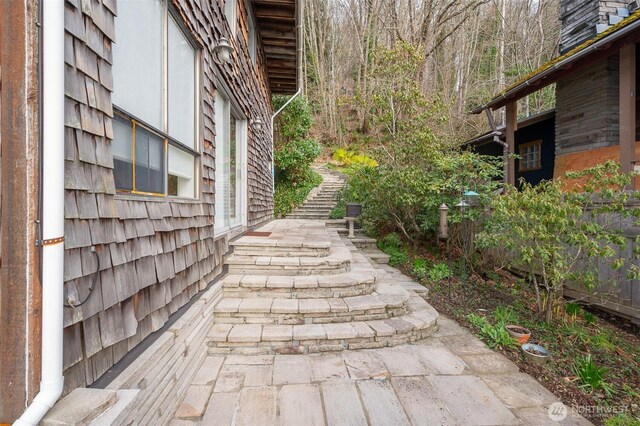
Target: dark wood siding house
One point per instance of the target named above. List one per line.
(534, 144)
(595, 87)
(168, 155)
(596, 114)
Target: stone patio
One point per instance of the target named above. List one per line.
(450, 378)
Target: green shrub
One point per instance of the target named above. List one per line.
(295, 121)
(622, 419)
(439, 272)
(420, 268)
(557, 235)
(348, 158)
(505, 315)
(573, 309)
(397, 257)
(588, 317)
(288, 196)
(496, 336)
(591, 376)
(391, 240)
(294, 159)
(294, 153)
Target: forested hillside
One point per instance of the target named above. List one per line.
(460, 53)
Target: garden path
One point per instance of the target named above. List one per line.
(343, 340)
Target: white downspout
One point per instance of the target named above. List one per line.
(53, 213)
(300, 30)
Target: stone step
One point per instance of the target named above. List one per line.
(305, 208)
(336, 223)
(359, 232)
(310, 338)
(310, 311)
(364, 243)
(354, 283)
(308, 216)
(260, 246)
(316, 204)
(279, 265)
(377, 256)
(311, 212)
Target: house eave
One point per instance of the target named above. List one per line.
(277, 22)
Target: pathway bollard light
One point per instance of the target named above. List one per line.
(443, 234)
(354, 210)
(463, 205)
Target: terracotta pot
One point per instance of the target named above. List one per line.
(521, 334)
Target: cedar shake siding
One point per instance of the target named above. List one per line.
(155, 253)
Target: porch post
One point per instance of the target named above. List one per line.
(20, 295)
(511, 127)
(628, 107)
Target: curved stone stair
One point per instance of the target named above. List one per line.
(301, 288)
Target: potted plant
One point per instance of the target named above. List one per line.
(535, 354)
(521, 334)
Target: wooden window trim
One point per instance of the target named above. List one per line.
(521, 147)
(171, 13)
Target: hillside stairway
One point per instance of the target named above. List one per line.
(298, 286)
(322, 199)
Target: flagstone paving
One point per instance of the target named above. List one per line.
(436, 381)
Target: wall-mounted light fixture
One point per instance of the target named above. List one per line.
(257, 124)
(223, 50)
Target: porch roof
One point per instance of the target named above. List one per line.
(601, 46)
(277, 22)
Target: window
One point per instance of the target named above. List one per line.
(155, 97)
(231, 146)
(231, 13)
(530, 156)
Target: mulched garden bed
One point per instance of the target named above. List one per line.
(613, 343)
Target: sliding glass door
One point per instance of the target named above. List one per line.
(231, 148)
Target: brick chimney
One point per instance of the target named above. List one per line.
(584, 19)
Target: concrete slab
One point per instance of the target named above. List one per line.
(208, 372)
(221, 409)
(439, 359)
(492, 363)
(257, 407)
(402, 361)
(194, 402)
(245, 333)
(277, 333)
(381, 403)
(230, 379)
(364, 365)
(80, 406)
(342, 404)
(539, 416)
(300, 405)
(422, 404)
(327, 367)
(249, 360)
(465, 344)
(471, 402)
(519, 390)
(258, 375)
(291, 369)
